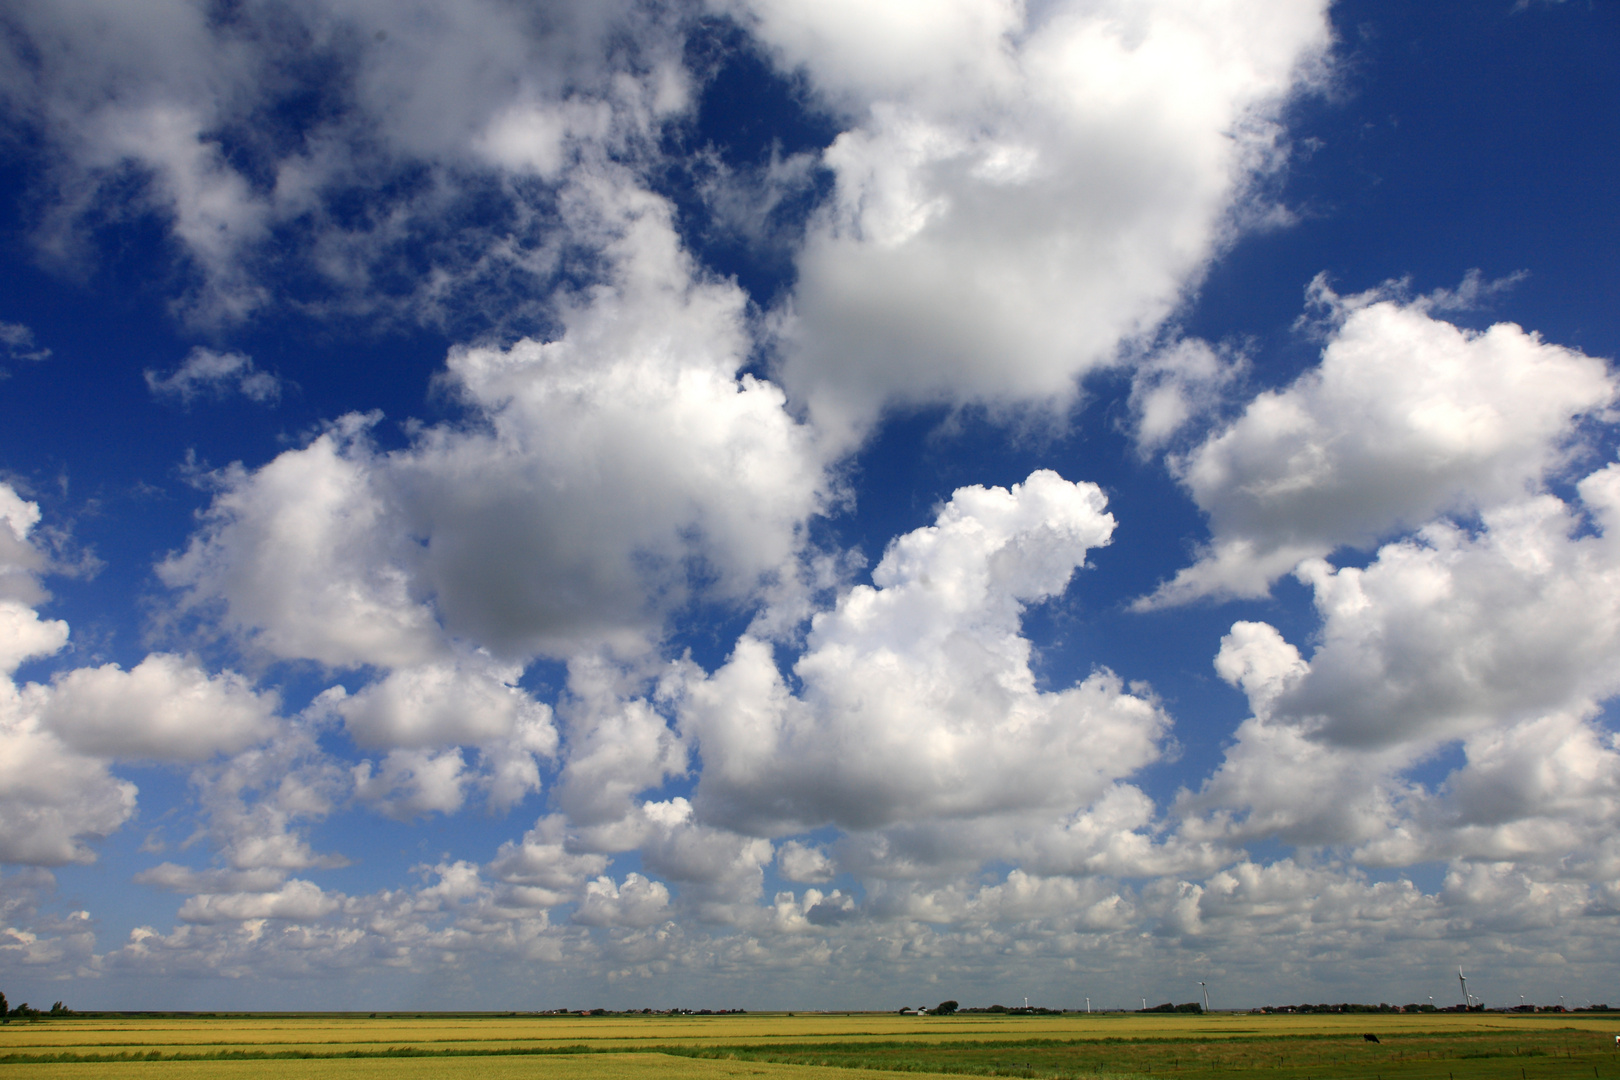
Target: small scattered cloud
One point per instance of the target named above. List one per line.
(1178, 385)
(19, 343)
(799, 862)
(206, 374)
(1475, 292)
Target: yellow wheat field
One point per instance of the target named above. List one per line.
(328, 1034)
(644, 1066)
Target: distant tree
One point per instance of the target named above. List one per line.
(5, 1010)
(946, 1008)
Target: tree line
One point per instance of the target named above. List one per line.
(26, 1011)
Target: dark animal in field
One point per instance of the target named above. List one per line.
(1370, 1038)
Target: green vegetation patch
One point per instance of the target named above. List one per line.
(1473, 1055)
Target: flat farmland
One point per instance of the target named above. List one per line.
(644, 1066)
(815, 1046)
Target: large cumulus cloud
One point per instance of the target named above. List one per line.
(1020, 188)
(1406, 416)
(918, 699)
(52, 798)
(61, 737)
(1503, 642)
(1488, 631)
(602, 479)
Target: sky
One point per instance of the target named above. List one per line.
(808, 504)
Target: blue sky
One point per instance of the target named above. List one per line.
(768, 504)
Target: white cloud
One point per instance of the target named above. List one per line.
(51, 798)
(19, 342)
(1275, 781)
(411, 783)
(1502, 641)
(613, 473)
(304, 557)
(1117, 833)
(24, 635)
(1247, 921)
(208, 374)
(465, 702)
(1543, 794)
(617, 748)
(1021, 190)
(542, 870)
(638, 902)
(918, 700)
(1500, 897)
(21, 562)
(1406, 417)
(177, 878)
(214, 212)
(1176, 386)
(31, 940)
(1022, 897)
(1457, 631)
(175, 113)
(1267, 910)
(297, 900)
(166, 708)
(257, 805)
(511, 763)
(1255, 658)
(627, 461)
(535, 136)
(1120, 835)
(801, 862)
(720, 873)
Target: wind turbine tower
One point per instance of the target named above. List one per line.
(1468, 1001)
(1206, 994)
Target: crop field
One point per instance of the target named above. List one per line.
(813, 1046)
